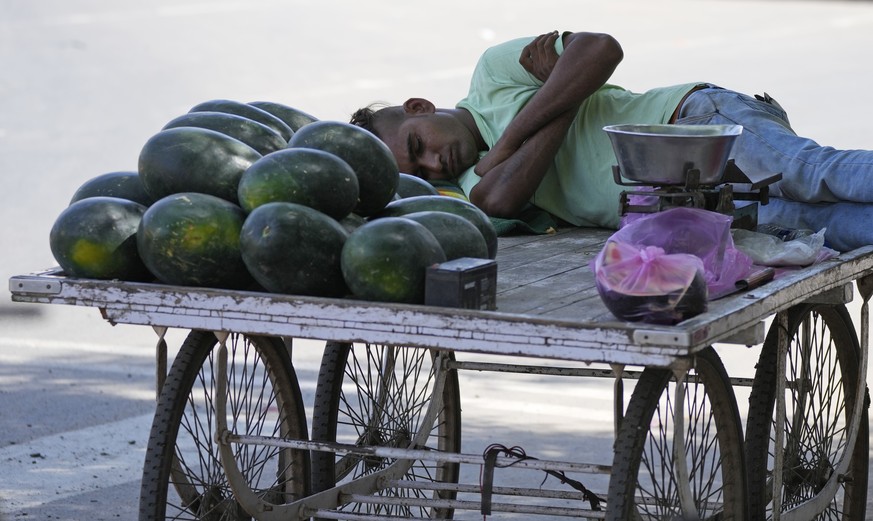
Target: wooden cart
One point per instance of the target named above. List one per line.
(230, 439)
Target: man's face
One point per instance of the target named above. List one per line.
(432, 145)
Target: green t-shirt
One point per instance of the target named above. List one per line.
(579, 186)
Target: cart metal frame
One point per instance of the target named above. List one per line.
(570, 324)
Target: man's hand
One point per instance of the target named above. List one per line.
(507, 187)
(512, 169)
(498, 154)
(539, 56)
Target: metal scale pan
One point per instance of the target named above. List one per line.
(684, 166)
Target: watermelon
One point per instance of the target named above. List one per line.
(256, 135)
(667, 308)
(292, 117)
(444, 203)
(386, 260)
(410, 186)
(95, 238)
(352, 222)
(188, 159)
(648, 285)
(192, 239)
(125, 185)
(247, 111)
(294, 249)
(304, 176)
(372, 161)
(457, 236)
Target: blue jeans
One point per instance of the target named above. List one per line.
(821, 187)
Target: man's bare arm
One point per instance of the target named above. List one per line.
(506, 188)
(586, 64)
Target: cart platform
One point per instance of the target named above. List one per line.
(391, 450)
(547, 306)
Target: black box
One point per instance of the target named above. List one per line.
(462, 283)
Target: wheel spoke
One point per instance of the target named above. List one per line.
(645, 483)
(188, 481)
(382, 400)
(821, 371)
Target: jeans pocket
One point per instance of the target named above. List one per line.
(711, 118)
(767, 104)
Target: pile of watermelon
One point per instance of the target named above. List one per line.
(261, 196)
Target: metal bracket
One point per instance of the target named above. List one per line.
(839, 295)
(618, 396)
(160, 359)
(865, 287)
(39, 286)
(749, 336)
(660, 338)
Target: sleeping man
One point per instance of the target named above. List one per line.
(530, 132)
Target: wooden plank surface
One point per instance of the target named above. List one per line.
(547, 307)
(550, 275)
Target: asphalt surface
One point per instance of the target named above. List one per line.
(84, 84)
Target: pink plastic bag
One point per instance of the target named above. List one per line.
(646, 284)
(699, 232)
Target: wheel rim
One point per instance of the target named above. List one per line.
(198, 485)
(657, 486)
(820, 395)
(697, 475)
(816, 434)
(384, 397)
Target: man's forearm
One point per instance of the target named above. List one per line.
(506, 188)
(586, 65)
(514, 167)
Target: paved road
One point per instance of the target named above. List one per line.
(85, 83)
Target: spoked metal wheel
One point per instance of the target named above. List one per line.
(387, 396)
(679, 450)
(824, 470)
(183, 477)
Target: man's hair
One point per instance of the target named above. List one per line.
(369, 116)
